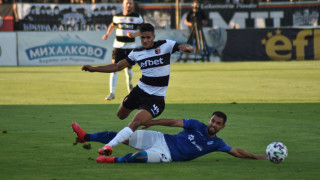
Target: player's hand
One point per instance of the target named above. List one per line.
(130, 34)
(145, 126)
(105, 37)
(105, 150)
(148, 124)
(87, 68)
(185, 48)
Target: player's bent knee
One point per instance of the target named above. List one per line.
(123, 112)
(139, 157)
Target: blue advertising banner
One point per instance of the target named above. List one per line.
(8, 49)
(63, 48)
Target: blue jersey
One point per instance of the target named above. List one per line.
(193, 142)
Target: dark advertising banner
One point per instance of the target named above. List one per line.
(239, 16)
(272, 44)
(6, 17)
(95, 17)
(66, 17)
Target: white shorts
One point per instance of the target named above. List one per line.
(153, 143)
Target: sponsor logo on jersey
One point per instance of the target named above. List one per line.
(150, 63)
(157, 51)
(126, 26)
(210, 142)
(192, 140)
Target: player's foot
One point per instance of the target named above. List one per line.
(105, 150)
(105, 159)
(80, 133)
(110, 97)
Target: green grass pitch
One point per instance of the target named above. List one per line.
(264, 101)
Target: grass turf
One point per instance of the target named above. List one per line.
(265, 101)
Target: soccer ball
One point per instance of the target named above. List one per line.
(277, 152)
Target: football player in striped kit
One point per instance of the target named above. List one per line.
(126, 25)
(148, 96)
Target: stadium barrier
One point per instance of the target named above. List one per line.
(77, 48)
(96, 17)
(8, 49)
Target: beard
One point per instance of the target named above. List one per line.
(211, 130)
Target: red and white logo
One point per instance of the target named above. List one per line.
(158, 51)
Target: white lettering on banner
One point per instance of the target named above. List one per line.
(239, 19)
(276, 16)
(64, 60)
(61, 27)
(259, 19)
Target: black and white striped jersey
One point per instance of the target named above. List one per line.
(125, 24)
(155, 66)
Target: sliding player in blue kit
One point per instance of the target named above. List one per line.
(148, 96)
(197, 139)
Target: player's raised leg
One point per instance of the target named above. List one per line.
(102, 137)
(80, 133)
(142, 116)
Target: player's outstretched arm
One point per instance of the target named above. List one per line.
(107, 68)
(185, 48)
(240, 153)
(133, 35)
(165, 122)
(110, 30)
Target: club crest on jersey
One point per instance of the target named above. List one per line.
(131, 19)
(157, 51)
(210, 142)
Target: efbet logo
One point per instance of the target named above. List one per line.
(280, 47)
(66, 46)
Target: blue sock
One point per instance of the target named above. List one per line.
(138, 157)
(125, 159)
(103, 137)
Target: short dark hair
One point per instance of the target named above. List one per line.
(146, 27)
(221, 115)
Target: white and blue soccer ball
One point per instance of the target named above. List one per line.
(277, 152)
